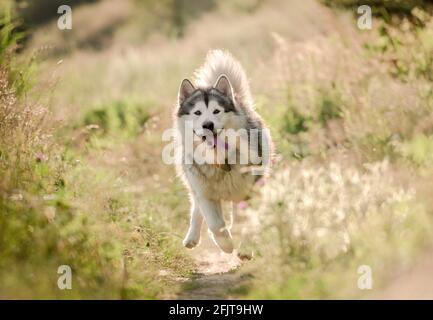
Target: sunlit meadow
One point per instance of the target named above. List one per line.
(82, 113)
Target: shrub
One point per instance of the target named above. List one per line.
(294, 122)
(123, 117)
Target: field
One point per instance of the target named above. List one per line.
(82, 183)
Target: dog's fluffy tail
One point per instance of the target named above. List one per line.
(220, 62)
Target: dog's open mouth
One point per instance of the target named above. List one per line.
(212, 139)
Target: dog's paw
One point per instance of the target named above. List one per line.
(191, 241)
(245, 255)
(246, 248)
(223, 239)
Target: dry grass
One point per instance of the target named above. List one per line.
(56, 208)
(335, 218)
(357, 119)
(349, 111)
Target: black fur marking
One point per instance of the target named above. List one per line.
(206, 95)
(255, 124)
(188, 103)
(222, 100)
(206, 98)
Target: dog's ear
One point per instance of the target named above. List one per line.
(185, 90)
(223, 85)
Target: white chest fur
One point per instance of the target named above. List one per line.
(225, 184)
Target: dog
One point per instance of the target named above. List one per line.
(218, 100)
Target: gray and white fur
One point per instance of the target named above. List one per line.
(218, 99)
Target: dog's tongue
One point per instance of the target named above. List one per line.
(220, 143)
(215, 142)
(210, 139)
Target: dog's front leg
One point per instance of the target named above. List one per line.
(192, 238)
(212, 213)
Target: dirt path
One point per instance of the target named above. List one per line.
(216, 273)
(417, 283)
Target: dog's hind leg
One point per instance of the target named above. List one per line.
(243, 242)
(192, 238)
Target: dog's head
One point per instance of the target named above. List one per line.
(209, 110)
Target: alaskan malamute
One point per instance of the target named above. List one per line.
(215, 116)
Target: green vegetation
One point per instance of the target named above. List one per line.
(371, 128)
(119, 117)
(56, 209)
(382, 7)
(82, 181)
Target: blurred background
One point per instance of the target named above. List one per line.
(82, 182)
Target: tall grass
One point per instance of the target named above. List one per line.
(350, 113)
(336, 218)
(361, 141)
(39, 230)
(56, 209)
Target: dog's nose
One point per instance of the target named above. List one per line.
(208, 125)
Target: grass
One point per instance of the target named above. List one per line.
(56, 208)
(329, 231)
(124, 117)
(382, 7)
(343, 126)
(83, 182)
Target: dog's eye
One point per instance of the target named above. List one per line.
(216, 111)
(197, 113)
